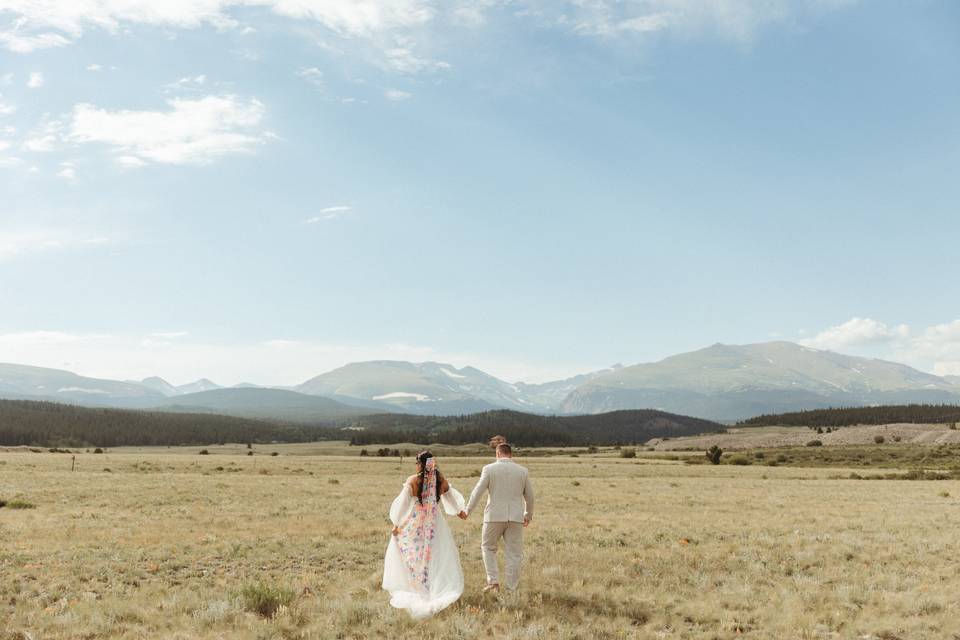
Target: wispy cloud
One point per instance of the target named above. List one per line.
(46, 137)
(329, 213)
(38, 25)
(189, 132)
(18, 43)
(68, 171)
(395, 95)
(35, 81)
(94, 67)
(20, 243)
(312, 75)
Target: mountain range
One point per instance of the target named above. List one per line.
(719, 382)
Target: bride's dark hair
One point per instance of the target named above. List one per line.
(422, 458)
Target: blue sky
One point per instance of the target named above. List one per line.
(264, 190)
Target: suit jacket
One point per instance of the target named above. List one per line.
(510, 492)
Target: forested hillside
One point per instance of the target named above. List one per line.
(50, 424)
(528, 429)
(841, 417)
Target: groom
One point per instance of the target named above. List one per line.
(509, 509)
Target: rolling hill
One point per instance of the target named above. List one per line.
(270, 404)
(52, 424)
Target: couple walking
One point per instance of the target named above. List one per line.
(422, 566)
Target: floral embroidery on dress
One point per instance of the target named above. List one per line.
(418, 529)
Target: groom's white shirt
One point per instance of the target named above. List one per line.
(510, 492)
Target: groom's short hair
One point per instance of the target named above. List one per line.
(504, 449)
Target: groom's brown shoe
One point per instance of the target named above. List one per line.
(492, 587)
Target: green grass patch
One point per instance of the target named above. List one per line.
(265, 600)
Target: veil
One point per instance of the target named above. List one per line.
(418, 530)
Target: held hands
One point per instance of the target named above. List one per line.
(396, 531)
(462, 515)
(526, 522)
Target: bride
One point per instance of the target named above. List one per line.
(421, 569)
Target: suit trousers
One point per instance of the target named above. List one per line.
(512, 534)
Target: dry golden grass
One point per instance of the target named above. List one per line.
(164, 543)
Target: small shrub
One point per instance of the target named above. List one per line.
(249, 453)
(815, 443)
(714, 454)
(265, 600)
(274, 453)
(592, 449)
(575, 483)
(781, 458)
(333, 481)
(628, 453)
(98, 450)
(879, 439)
(249, 445)
(17, 504)
(759, 455)
(364, 453)
(944, 494)
(897, 438)
(953, 427)
(740, 461)
(203, 452)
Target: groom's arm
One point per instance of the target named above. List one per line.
(482, 485)
(528, 498)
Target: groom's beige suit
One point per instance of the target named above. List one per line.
(509, 505)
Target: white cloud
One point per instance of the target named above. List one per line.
(935, 348)
(68, 171)
(19, 243)
(44, 138)
(190, 132)
(189, 82)
(6, 79)
(35, 80)
(130, 162)
(40, 24)
(7, 109)
(329, 213)
(311, 74)
(402, 58)
(26, 44)
(857, 332)
(94, 67)
(395, 95)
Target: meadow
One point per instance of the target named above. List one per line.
(167, 543)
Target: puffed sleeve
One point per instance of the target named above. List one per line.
(401, 506)
(452, 501)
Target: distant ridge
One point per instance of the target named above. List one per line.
(720, 382)
(272, 404)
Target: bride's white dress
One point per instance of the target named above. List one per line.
(421, 569)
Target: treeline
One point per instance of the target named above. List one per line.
(849, 416)
(50, 424)
(529, 430)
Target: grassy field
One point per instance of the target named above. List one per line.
(166, 543)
